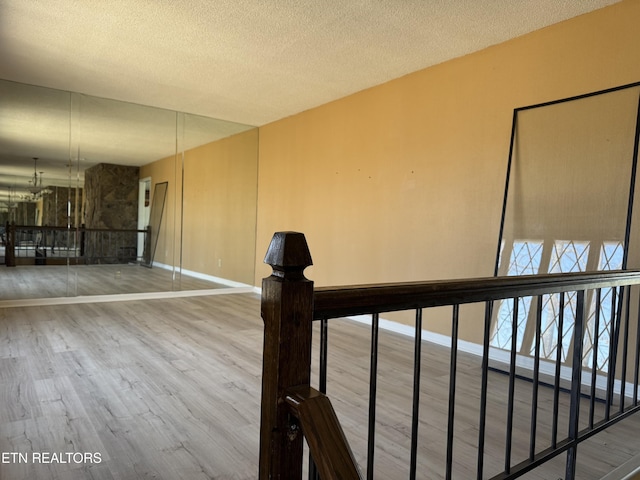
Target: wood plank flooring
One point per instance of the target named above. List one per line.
(170, 389)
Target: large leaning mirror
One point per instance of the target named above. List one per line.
(79, 216)
(569, 207)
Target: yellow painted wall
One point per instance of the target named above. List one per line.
(404, 181)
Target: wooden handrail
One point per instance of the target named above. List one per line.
(327, 442)
(343, 301)
(42, 227)
(81, 228)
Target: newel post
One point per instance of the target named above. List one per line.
(287, 309)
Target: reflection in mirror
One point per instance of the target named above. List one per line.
(155, 221)
(220, 198)
(212, 155)
(100, 161)
(112, 140)
(34, 124)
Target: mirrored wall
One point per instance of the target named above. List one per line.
(105, 197)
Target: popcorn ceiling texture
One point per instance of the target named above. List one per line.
(251, 61)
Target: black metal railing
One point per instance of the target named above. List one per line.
(544, 440)
(111, 246)
(41, 245)
(375, 299)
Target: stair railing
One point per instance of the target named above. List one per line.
(292, 409)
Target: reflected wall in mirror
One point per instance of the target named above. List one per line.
(210, 167)
(220, 198)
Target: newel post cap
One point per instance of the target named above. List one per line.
(288, 251)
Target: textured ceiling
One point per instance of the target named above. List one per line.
(245, 61)
(251, 61)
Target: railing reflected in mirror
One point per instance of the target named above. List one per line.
(38, 245)
(207, 235)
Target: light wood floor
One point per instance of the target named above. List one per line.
(46, 281)
(170, 389)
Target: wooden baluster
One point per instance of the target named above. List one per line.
(287, 308)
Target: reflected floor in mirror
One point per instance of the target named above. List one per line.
(47, 281)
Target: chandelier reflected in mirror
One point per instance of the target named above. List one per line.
(36, 190)
(10, 203)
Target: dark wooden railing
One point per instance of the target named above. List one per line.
(41, 245)
(293, 409)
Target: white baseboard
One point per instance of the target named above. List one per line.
(204, 276)
(500, 359)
